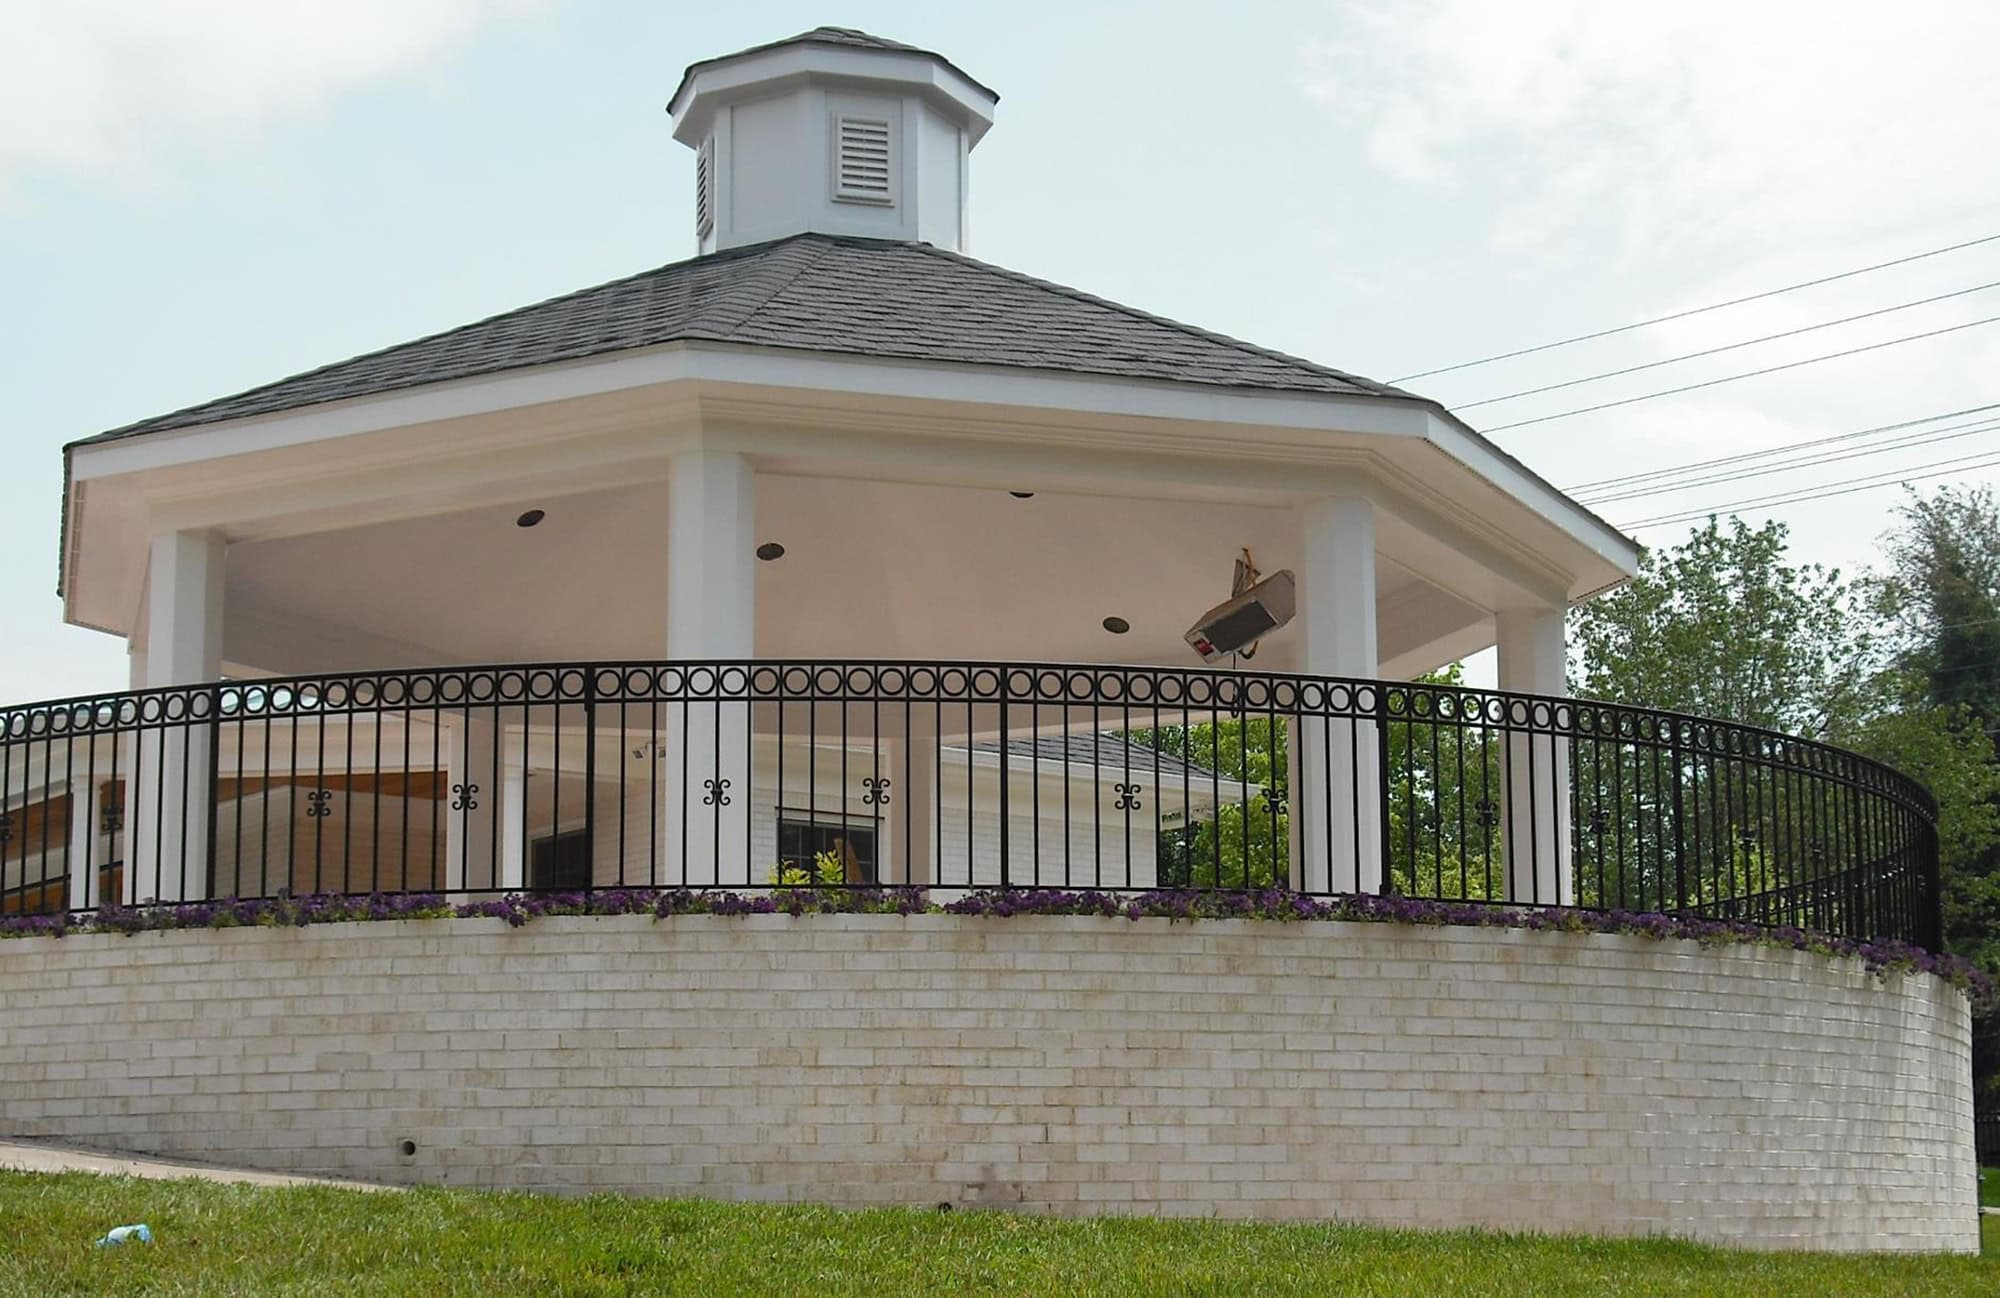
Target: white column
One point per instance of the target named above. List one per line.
(120, 845)
(175, 768)
(513, 813)
(1535, 807)
(1336, 796)
(711, 601)
(909, 821)
(472, 800)
(82, 844)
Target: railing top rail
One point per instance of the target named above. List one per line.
(979, 680)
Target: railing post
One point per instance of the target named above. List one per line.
(1006, 843)
(176, 765)
(1387, 884)
(708, 804)
(473, 801)
(81, 844)
(212, 790)
(1678, 758)
(512, 809)
(910, 765)
(590, 769)
(1340, 790)
(1864, 917)
(1930, 930)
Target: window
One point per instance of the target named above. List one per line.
(560, 863)
(803, 839)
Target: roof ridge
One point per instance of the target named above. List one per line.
(1268, 353)
(817, 246)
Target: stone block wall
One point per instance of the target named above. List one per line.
(1379, 1073)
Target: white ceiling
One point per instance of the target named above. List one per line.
(871, 569)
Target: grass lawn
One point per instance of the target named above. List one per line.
(235, 1240)
(1989, 1186)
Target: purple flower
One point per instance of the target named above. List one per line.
(1172, 904)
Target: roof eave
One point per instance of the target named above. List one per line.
(815, 41)
(1108, 395)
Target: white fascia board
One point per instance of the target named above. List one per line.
(1071, 393)
(1296, 416)
(431, 403)
(1411, 418)
(806, 373)
(1478, 453)
(772, 71)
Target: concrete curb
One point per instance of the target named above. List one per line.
(40, 1156)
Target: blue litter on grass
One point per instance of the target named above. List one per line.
(126, 1235)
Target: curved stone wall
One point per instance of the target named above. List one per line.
(1370, 1072)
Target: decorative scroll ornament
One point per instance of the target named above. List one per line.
(878, 791)
(717, 795)
(1128, 797)
(1488, 815)
(465, 797)
(317, 802)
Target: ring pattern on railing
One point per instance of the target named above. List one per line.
(1040, 774)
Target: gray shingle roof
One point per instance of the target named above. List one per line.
(820, 293)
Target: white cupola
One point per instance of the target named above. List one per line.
(833, 131)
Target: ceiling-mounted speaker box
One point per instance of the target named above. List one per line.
(1244, 619)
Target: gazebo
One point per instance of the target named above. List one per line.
(835, 562)
(831, 438)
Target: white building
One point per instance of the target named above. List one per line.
(832, 438)
(835, 541)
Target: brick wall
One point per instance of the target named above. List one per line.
(1424, 1077)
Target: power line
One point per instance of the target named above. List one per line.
(1750, 374)
(1682, 315)
(1827, 490)
(1840, 487)
(1776, 450)
(1728, 347)
(1901, 444)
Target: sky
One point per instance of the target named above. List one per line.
(199, 197)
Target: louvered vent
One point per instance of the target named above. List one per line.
(704, 188)
(862, 172)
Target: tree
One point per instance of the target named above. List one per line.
(1439, 775)
(1722, 626)
(1939, 599)
(1897, 667)
(1247, 842)
(1446, 785)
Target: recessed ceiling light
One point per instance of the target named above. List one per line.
(530, 518)
(1117, 625)
(770, 550)
(1022, 495)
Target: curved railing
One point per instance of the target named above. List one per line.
(574, 776)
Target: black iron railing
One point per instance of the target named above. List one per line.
(576, 776)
